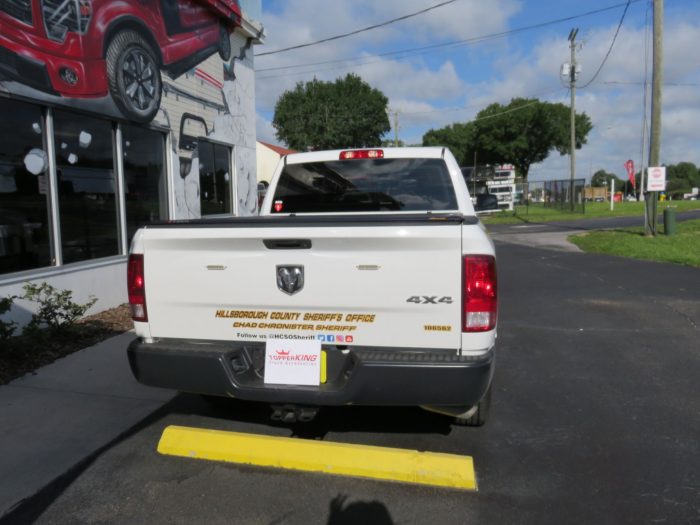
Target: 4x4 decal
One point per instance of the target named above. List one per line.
(429, 299)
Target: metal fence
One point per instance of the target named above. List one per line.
(563, 194)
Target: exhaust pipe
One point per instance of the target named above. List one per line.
(293, 413)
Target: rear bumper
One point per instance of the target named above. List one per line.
(361, 376)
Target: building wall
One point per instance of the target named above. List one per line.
(211, 172)
(84, 281)
(238, 125)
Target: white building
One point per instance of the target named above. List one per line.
(267, 157)
(79, 174)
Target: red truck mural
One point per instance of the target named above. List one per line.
(95, 48)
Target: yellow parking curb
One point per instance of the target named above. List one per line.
(393, 464)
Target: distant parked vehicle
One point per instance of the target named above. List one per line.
(91, 48)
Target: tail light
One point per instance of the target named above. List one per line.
(362, 154)
(137, 288)
(480, 293)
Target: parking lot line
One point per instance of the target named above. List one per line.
(392, 464)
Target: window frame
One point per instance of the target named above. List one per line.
(57, 264)
(231, 185)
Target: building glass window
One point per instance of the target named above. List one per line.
(24, 223)
(214, 178)
(86, 187)
(144, 177)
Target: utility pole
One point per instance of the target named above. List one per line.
(656, 81)
(396, 128)
(572, 87)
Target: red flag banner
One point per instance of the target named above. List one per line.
(629, 166)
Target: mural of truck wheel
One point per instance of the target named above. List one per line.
(224, 43)
(133, 75)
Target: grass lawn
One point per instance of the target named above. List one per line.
(537, 213)
(682, 248)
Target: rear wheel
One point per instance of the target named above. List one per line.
(479, 414)
(134, 76)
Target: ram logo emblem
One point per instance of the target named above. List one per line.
(290, 279)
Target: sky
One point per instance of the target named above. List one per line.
(525, 44)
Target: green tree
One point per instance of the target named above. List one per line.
(458, 137)
(602, 178)
(461, 139)
(391, 143)
(521, 133)
(526, 131)
(682, 177)
(347, 113)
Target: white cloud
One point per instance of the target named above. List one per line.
(615, 101)
(423, 86)
(265, 131)
(303, 21)
(413, 81)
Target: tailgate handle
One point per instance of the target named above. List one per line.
(287, 244)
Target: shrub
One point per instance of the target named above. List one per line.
(57, 310)
(7, 328)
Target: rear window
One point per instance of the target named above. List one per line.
(365, 185)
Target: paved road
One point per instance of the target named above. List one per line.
(596, 419)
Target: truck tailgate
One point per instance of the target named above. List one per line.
(388, 286)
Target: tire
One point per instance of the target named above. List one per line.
(134, 76)
(224, 43)
(479, 417)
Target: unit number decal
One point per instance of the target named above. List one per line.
(429, 299)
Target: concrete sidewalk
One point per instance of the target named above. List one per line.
(555, 235)
(54, 419)
(533, 235)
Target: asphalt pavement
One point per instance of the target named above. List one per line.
(595, 419)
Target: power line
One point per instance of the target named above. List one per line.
(605, 58)
(357, 31)
(463, 108)
(511, 110)
(455, 43)
(504, 112)
(471, 106)
(352, 120)
(666, 84)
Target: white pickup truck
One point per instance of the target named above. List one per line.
(367, 279)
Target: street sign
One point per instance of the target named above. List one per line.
(656, 178)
